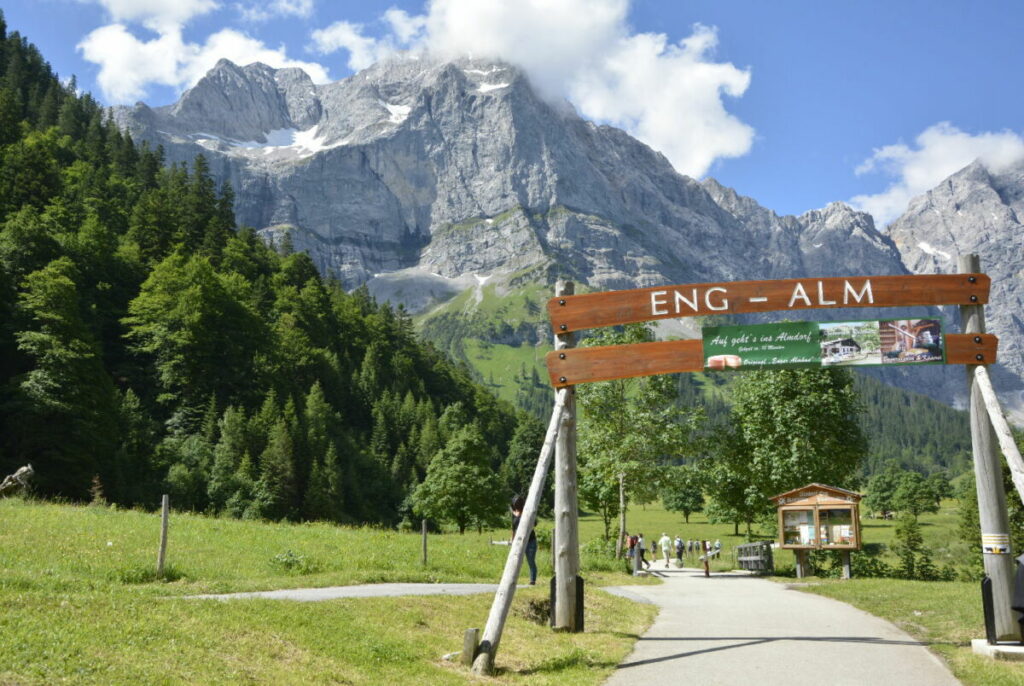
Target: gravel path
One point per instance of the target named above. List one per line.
(361, 591)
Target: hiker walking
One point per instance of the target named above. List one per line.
(518, 503)
(666, 545)
(642, 551)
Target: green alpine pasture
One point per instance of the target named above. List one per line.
(82, 606)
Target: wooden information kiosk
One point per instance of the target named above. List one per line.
(819, 517)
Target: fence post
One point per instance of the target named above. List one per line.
(424, 528)
(165, 506)
(470, 640)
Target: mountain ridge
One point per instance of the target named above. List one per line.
(419, 176)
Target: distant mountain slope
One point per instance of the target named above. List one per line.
(976, 211)
(425, 179)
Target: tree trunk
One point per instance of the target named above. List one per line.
(622, 516)
(735, 528)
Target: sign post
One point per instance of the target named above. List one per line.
(566, 538)
(988, 476)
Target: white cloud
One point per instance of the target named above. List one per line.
(404, 31)
(265, 11)
(128, 65)
(941, 150)
(670, 95)
(406, 28)
(343, 35)
(158, 15)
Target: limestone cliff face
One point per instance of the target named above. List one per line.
(454, 168)
(976, 211)
(422, 178)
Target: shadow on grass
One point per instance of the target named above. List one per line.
(574, 659)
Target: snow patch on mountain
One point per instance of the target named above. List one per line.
(399, 113)
(928, 249)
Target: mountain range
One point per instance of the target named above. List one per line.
(445, 185)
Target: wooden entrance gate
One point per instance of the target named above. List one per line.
(569, 366)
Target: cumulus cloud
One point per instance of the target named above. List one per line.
(670, 95)
(128, 65)
(939, 151)
(265, 11)
(403, 31)
(157, 15)
(342, 35)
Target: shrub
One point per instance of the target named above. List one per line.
(544, 537)
(144, 574)
(599, 555)
(294, 563)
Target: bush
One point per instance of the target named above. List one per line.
(294, 563)
(144, 574)
(864, 564)
(544, 537)
(599, 555)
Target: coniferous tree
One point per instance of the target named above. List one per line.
(276, 489)
(67, 407)
(227, 456)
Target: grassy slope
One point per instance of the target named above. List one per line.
(70, 617)
(72, 614)
(468, 325)
(499, 364)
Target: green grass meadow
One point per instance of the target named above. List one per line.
(80, 605)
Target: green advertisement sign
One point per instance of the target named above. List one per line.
(792, 344)
(814, 344)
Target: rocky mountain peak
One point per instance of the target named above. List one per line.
(424, 177)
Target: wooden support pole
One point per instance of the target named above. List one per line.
(423, 526)
(483, 663)
(847, 566)
(1002, 428)
(470, 641)
(165, 508)
(801, 563)
(566, 538)
(995, 526)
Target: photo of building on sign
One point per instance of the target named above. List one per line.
(850, 343)
(911, 341)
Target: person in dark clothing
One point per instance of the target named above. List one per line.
(518, 503)
(642, 552)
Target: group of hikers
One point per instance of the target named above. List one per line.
(639, 547)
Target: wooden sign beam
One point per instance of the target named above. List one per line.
(590, 310)
(583, 365)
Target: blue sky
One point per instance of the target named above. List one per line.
(796, 104)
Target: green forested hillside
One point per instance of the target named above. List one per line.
(148, 346)
(912, 430)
